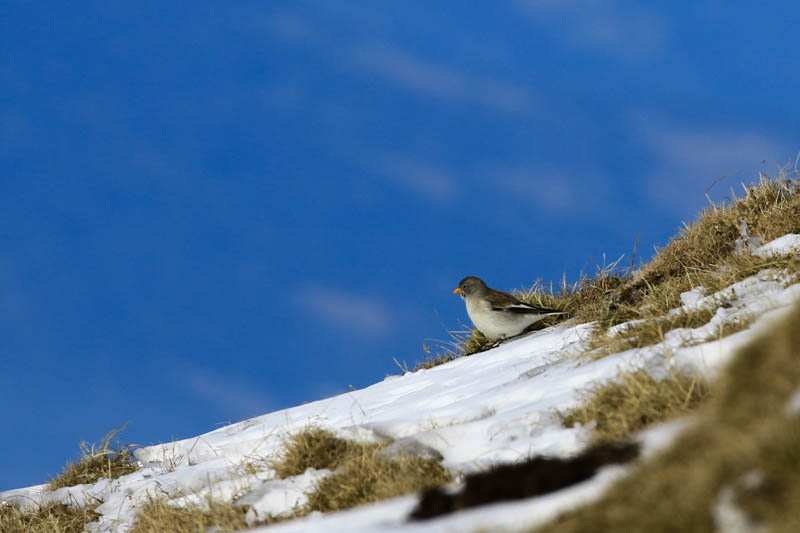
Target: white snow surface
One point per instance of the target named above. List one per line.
(786, 245)
(499, 406)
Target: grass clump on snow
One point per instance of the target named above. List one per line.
(108, 459)
(163, 515)
(51, 518)
(312, 448)
(368, 476)
(646, 332)
(649, 331)
(158, 515)
(624, 406)
(362, 474)
(744, 450)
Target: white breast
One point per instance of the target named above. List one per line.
(497, 325)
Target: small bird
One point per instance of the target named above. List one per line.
(496, 314)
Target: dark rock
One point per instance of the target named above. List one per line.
(534, 477)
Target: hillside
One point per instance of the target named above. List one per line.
(706, 341)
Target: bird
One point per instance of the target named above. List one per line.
(497, 314)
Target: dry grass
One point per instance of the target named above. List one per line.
(312, 448)
(771, 209)
(744, 431)
(703, 253)
(462, 343)
(650, 323)
(432, 361)
(647, 331)
(469, 342)
(161, 515)
(361, 473)
(158, 515)
(52, 518)
(252, 466)
(585, 299)
(369, 476)
(634, 401)
(445, 352)
(108, 459)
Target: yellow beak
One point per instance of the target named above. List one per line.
(456, 291)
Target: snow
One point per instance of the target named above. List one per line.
(499, 406)
(786, 245)
(693, 296)
(277, 497)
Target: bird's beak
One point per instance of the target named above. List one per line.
(456, 291)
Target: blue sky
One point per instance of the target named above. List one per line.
(209, 212)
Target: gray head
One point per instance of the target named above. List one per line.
(470, 286)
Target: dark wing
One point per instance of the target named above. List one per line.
(502, 301)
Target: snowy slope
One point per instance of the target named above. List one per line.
(495, 407)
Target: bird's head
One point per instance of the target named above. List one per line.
(470, 286)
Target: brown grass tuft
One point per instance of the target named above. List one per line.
(108, 459)
(312, 448)
(369, 477)
(432, 361)
(445, 352)
(361, 473)
(585, 300)
(52, 518)
(158, 515)
(620, 408)
(471, 341)
(463, 342)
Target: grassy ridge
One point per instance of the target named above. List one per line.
(634, 401)
(108, 459)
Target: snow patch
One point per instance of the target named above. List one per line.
(782, 246)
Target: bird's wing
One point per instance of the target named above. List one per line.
(502, 301)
